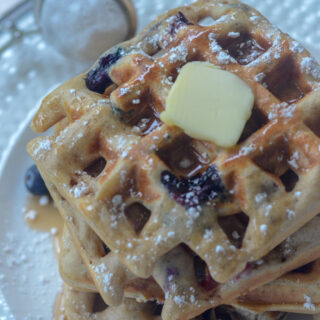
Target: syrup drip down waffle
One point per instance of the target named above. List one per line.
(158, 198)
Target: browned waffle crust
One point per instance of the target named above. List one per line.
(75, 305)
(113, 161)
(296, 291)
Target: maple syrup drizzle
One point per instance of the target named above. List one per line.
(41, 215)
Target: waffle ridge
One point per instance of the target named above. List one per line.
(297, 291)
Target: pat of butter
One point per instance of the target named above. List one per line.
(209, 103)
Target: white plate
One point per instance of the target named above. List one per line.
(28, 270)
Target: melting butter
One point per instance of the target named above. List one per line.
(209, 103)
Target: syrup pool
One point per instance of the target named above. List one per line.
(41, 214)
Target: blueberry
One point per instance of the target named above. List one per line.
(194, 191)
(34, 182)
(178, 21)
(98, 78)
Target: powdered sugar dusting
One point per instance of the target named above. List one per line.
(263, 229)
(245, 150)
(309, 65)
(80, 189)
(44, 200)
(31, 215)
(180, 301)
(29, 274)
(222, 56)
(288, 111)
(135, 101)
(215, 47)
(260, 77)
(43, 145)
(308, 305)
(296, 47)
(106, 277)
(225, 58)
(124, 90)
(293, 161)
(260, 197)
(291, 214)
(179, 53)
(234, 34)
(219, 249)
(254, 19)
(208, 235)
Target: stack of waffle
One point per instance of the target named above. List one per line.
(162, 226)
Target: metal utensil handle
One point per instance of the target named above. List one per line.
(126, 5)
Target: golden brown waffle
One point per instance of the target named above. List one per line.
(177, 271)
(184, 294)
(74, 305)
(115, 160)
(136, 289)
(77, 270)
(302, 247)
(127, 205)
(76, 275)
(298, 291)
(96, 270)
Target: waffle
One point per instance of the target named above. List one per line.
(74, 305)
(117, 165)
(297, 291)
(185, 286)
(300, 248)
(84, 266)
(185, 295)
(76, 275)
(74, 271)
